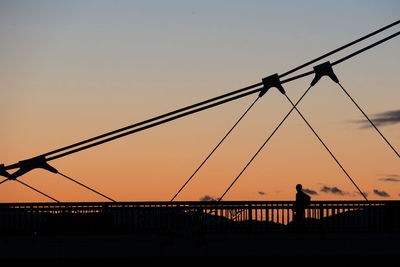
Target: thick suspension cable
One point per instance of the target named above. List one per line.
(158, 120)
(341, 48)
(228, 94)
(365, 48)
(87, 187)
(370, 121)
(341, 60)
(220, 102)
(16, 165)
(234, 92)
(154, 124)
(154, 119)
(38, 191)
(215, 148)
(263, 145)
(326, 147)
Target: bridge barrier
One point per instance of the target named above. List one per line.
(196, 216)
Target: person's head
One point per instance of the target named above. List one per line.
(299, 187)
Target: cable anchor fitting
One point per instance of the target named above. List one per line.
(30, 164)
(3, 171)
(269, 82)
(324, 69)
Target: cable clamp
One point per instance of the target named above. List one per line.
(324, 69)
(30, 164)
(269, 82)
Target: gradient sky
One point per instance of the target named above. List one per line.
(70, 70)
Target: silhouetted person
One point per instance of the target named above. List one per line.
(302, 201)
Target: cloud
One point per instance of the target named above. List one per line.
(382, 119)
(261, 193)
(208, 198)
(390, 178)
(310, 191)
(332, 190)
(381, 193)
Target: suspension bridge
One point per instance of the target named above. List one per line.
(128, 217)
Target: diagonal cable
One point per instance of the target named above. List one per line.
(263, 145)
(87, 187)
(370, 121)
(215, 148)
(40, 192)
(327, 149)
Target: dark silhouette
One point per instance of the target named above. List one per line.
(302, 201)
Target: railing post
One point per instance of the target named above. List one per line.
(322, 218)
(250, 213)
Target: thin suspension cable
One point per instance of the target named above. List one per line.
(370, 121)
(263, 145)
(224, 95)
(34, 189)
(215, 148)
(340, 48)
(87, 187)
(327, 149)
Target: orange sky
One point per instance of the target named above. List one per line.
(71, 71)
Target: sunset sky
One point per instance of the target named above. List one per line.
(70, 70)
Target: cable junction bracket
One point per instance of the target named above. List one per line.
(269, 82)
(324, 69)
(30, 164)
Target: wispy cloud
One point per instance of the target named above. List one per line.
(310, 191)
(208, 198)
(332, 190)
(382, 119)
(390, 178)
(381, 193)
(261, 193)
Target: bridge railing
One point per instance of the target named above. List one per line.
(224, 216)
